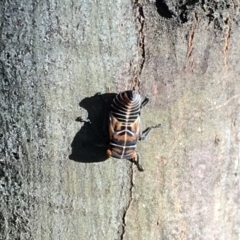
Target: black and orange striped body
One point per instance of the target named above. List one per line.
(124, 125)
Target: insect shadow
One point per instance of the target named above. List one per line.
(91, 141)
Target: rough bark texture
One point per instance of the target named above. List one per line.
(55, 180)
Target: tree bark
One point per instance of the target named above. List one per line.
(55, 179)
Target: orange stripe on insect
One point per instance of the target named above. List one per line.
(125, 128)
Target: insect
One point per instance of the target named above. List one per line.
(125, 126)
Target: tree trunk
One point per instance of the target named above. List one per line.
(55, 179)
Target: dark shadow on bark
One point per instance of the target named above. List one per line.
(91, 141)
(163, 9)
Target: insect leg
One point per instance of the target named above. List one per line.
(82, 119)
(147, 131)
(144, 102)
(139, 165)
(137, 161)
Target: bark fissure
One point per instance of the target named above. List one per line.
(226, 41)
(138, 7)
(191, 35)
(141, 41)
(128, 205)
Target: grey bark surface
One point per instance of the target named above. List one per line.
(55, 180)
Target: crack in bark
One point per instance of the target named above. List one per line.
(128, 205)
(141, 41)
(191, 35)
(190, 47)
(226, 40)
(138, 7)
